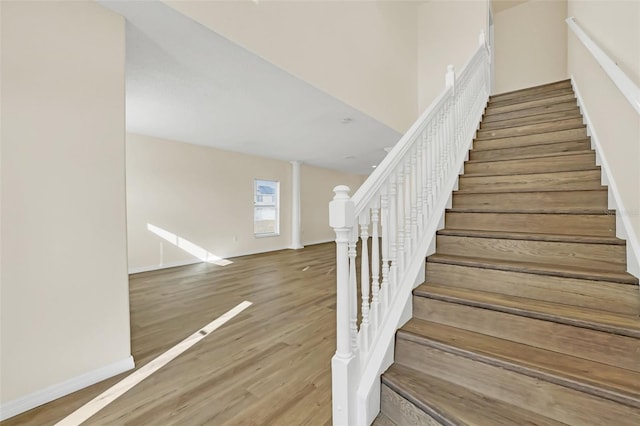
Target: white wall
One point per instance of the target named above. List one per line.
(64, 285)
(615, 27)
(317, 192)
(530, 45)
(447, 34)
(363, 53)
(205, 195)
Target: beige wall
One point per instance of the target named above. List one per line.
(363, 53)
(317, 191)
(530, 45)
(615, 27)
(447, 34)
(205, 196)
(64, 286)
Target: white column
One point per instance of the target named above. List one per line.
(295, 206)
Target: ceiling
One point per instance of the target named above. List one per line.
(500, 5)
(187, 83)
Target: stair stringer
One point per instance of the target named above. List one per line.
(624, 228)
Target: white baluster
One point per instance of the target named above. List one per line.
(431, 169)
(375, 266)
(451, 82)
(452, 133)
(418, 185)
(400, 224)
(353, 293)
(458, 118)
(425, 176)
(438, 156)
(408, 243)
(364, 280)
(443, 148)
(414, 195)
(393, 236)
(385, 222)
(447, 140)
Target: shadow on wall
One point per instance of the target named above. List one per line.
(188, 246)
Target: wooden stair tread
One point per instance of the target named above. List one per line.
(590, 201)
(533, 156)
(534, 89)
(517, 209)
(591, 239)
(610, 322)
(557, 163)
(530, 97)
(617, 384)
(545, 117)
(531, 129)
(544, 181)
(530, 112)
(600, 295)
(451, 404)
(594, 225)
(490, 110)
(511, 190)
(590, 212)
(520, 141)
(533, 150)
(537, 268)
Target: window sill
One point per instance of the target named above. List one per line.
(266, 235)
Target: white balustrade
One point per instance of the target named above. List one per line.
(396, 213)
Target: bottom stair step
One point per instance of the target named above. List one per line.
(410, 397)
(616, 384)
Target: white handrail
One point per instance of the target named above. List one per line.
(386, 230)
(628, 88)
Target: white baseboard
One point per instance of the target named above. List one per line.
(624, 228)
(313, 243)
(139, 269)
(48, 394)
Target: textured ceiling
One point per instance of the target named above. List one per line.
(187, 83)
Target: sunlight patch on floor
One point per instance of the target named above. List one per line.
(107, 397)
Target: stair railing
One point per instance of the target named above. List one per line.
(385, 231)
(622, 81)
(624, 226)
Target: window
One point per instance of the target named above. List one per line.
(266, 220)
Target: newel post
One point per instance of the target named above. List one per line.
(344, 362)
(450, 77)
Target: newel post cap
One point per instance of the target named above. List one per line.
(341, 209)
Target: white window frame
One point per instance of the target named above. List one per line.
(276, 205)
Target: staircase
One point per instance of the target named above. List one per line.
(527, 315)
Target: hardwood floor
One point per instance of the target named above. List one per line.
(269, 365)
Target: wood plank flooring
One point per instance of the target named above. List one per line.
(270, 365)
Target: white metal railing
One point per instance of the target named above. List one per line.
(386, 229)
(628, 88)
